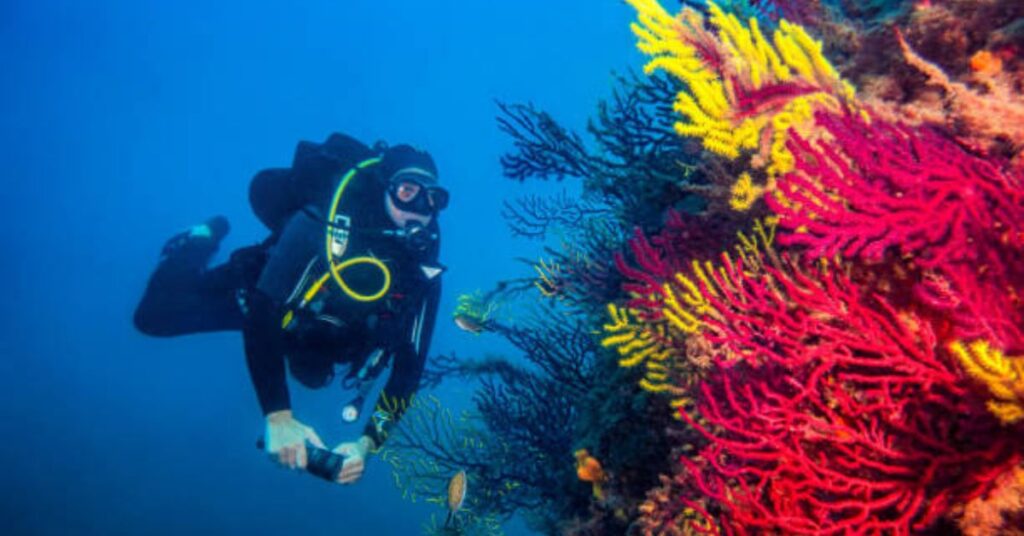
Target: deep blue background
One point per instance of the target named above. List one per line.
(122, 122)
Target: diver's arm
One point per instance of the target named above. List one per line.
(409, 361)
(285, 437)
(264, 354)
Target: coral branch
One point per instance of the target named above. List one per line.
(875, 187)
(545, 149)
(535, 216)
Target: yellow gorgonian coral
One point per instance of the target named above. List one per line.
(744, 193)
(1004, 377)
(685, 301)
(641, 344)
(743, 92)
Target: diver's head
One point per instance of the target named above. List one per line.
(412, 194)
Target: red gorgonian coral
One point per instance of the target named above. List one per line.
(869, 187)
(832, 412)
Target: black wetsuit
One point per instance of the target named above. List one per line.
(263, 285)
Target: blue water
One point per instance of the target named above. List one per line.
(122, 122)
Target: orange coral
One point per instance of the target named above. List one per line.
(986, 63)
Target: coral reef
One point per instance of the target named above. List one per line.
(833, 395)
(778, 305)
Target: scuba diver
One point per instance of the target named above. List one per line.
(347, 283)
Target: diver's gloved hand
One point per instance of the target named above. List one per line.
(355, 454)
(285, 439)
(212, 231)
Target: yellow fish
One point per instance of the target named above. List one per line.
(456, 494)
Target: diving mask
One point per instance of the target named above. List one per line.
(411, 195)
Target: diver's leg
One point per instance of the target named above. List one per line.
(183, 295)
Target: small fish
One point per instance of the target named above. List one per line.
(466, 323)
(456, 495)
(588, 469)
